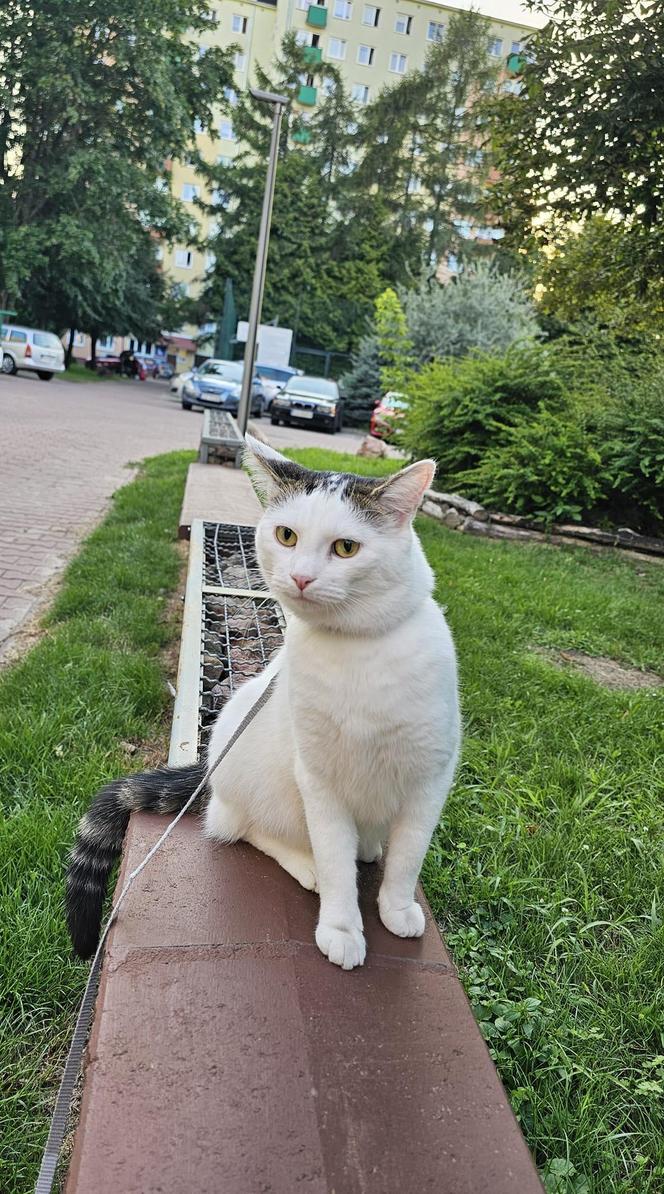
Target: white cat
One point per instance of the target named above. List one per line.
(357, 745)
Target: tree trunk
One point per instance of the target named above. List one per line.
(69, 351)
(93, 347)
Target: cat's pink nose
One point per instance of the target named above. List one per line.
(302, 581)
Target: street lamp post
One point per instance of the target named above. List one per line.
(278, 102)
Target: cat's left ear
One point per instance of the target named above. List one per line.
(402, 494)
(271, 471)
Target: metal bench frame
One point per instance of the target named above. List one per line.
(220, 438)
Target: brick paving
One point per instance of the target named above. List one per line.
(64, 449)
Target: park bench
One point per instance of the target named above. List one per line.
(220, 438)
(227, 1054)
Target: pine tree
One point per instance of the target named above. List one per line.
(394, 344)
(361, 386)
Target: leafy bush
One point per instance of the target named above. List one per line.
(459, 409)
(482, 309)
(567, 430)
(633, 456)
(547, 467)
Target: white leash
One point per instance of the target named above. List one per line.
(60, 1115)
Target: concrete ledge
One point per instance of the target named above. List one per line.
(228, 1054)
(217, 495)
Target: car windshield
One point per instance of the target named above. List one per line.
(272, 373)
(227, 370)
(313, 385)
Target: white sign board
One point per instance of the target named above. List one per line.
(273, 346)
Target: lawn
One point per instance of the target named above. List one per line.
(546, 874)
(85, 704)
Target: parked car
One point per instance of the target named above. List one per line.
(148, 364)
(273, 379)
(179, 380)
(387, 411)
(105, 363)
(314, 400)
(30, 348)
(217, 384)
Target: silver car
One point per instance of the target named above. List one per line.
(30, 348)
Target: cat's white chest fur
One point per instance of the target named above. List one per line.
(374, 715)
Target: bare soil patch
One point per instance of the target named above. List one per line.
(603, 670)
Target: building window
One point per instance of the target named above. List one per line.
(190, 191)
(336, 48)
(512, 86)
(328, 86)
(360, 93)
(398, 63)
(181, 289)
(238, 23)
(516, 47)
(370, 15)
(240, 60)
(210, 260)
(224, 160)
(365, 55)
(79, 339)
(414, 185)
(198, 125)
(435, 31)
(226, 130)
(303, 5)
(303, 38)
(402, 23)
(496, 47)
(343, 9)
(183, 258)
(159, 253)
(105, 341)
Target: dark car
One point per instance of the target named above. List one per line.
(217, 384)
(312, 400)
(273, 378)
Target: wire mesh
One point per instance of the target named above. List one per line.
(229, 557)
(239, 635)
(221, 425)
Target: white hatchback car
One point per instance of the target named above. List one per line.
(30, 348)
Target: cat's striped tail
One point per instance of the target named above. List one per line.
(98, 842)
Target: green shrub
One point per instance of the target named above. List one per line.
(633, 456)
(547, 467)
(461, 408)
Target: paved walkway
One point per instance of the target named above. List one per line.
(64, 449)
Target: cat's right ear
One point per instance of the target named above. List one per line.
(271, 472)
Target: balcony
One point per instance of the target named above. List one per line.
(306, 96)
(515, 63)
(302, 137)
(317, 16)
(312, 55)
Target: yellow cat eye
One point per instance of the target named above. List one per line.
(345, 548)
(286, 536)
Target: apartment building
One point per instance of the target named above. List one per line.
(372, 45)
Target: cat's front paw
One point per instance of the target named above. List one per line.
(345, 947)
(403, 922)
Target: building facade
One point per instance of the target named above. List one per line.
(373, 45)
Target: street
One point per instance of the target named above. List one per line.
(65, 447)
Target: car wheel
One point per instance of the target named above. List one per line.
(43, 375)
(8, 364)
(258, 414)
(186, 405)
(274, 420)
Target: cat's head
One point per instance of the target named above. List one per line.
(336, 549)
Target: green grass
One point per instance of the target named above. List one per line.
(326, 460)
(78, 372)
(94, 681)
(547, 872)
